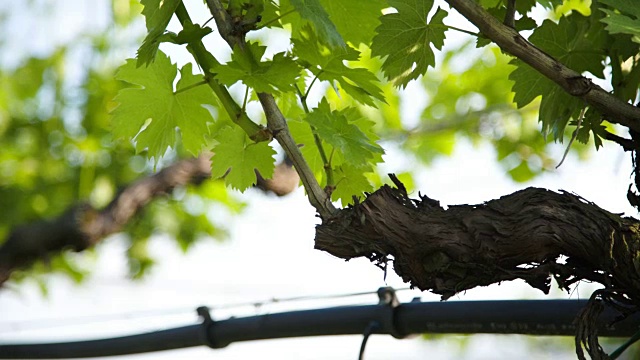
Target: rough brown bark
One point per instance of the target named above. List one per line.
(533, 234)
(522, 235)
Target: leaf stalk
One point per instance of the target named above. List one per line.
(207, 62)
(189, 87)
(326, 162)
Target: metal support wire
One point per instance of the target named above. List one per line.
(533, 317)
(51, 323)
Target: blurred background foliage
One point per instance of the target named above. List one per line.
(57, 147)
(56, 88)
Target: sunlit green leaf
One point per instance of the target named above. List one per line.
(405, 39)
(157, 14)
(522, 172)
(350, 182)
(313, 11)
(577, 42)
(334, 128)
(355, 20)
(301, 131)
(329, 65)
(626, 21)
(237, 158)
(152, 112)
(271, 76)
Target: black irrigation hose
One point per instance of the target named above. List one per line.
(533, 317)
(176, 338)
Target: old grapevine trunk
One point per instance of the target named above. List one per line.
(532, 234)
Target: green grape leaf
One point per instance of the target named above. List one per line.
(313, 11)
(525, 23)
(626, 84)
(356, 117)
(237, 157)
(549, 4)
(405, 39)
(556, 108)
(329, 65)
(488, 4)
(335, 129)
(625, 22)
(356, 20)
(188, 34)
(575, 41)
(270, 14)
(621, 24)
(271, 76)
(522, 172)
(350, 181)
(152, 112)
(592, 123)
(528, 84)
(191, 32)
(157, 15)
(556, 105)
(351, 178)
(625, 6)
(301, 131)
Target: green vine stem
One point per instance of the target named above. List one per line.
(326, 162)
(246, 97)
(206, 61)
(449, 27)
(194, 85)
(278, 125)
(275, 19)
(275, 120)
(304, 97)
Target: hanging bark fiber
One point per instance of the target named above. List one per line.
(532, 234)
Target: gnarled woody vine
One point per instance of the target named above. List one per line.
(533, 235)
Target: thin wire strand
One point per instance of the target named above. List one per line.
(49, 323)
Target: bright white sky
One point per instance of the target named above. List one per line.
(271, 255)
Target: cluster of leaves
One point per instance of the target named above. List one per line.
(154, 113)
(326, 47)
(327, 39)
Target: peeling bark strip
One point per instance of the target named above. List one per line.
(519, 236)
